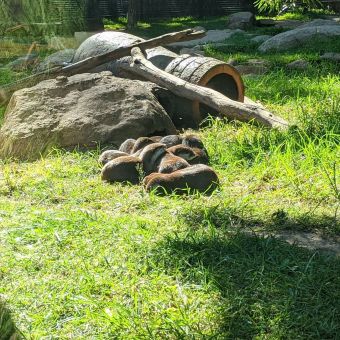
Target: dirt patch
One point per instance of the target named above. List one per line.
(307, 240)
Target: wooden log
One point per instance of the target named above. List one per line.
(92, 62)
(217, 101)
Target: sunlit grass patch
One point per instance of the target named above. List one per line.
(81, 258)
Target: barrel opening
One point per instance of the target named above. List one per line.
(223, 83)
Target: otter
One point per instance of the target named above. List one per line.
(127, 146)
(156, 139)
(122, 169)
(199, 177)
(109, 155)
(151, 157)
(141, 143)
(183, 151)
(192, 141)
(191, 155)
(170, 163)
(201, 156)
(171, 140)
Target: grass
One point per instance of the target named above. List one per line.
(159, 27)
(84, 259)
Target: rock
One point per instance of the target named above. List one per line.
(241, 20)
(319, 22)
(251, 69)
(60, 58)
(299, 37)
(199, 28)
(253, 66)
(84, 110)
(108, 41)
(331, 56)
(299, 64)
(266, 22)
(212, 36)
(260, 38)
(23, 63)
(288, 24)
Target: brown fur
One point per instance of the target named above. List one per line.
(197, 177)
(201, 156)
(122, 169)
(156, 139)
(171, 140)
(141, 143)
(182, 151)
(192, 141)
(127, 146)
(191, 155)
(109, 155)
(151, 157)
(170, 163)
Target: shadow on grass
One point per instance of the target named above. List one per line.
(8, 330)
(226, 218)
(267, 288)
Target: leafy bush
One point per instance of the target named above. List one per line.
(277, 5)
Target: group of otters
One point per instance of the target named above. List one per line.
(170, 164)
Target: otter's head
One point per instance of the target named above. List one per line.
(171, 140)
(127, 146)
(109, 155)
(192, 141)
(141, 143)
(183, 151)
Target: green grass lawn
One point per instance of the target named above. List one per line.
(84, 259)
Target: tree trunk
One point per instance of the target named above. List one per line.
(132, 13)
(217, 101)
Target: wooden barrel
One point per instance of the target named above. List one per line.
(208, 72)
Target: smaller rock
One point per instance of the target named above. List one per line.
(319, 22)
(23, 63)
(211, 37)
(251, 69)
(266, 22)
(241, 20)
(298, 64)
(253, 66)
(288, 24)
(199, 28)
(60, 58)
(331, 56)
(260, 38)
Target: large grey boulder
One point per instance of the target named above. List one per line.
(331, 56)
(60, 58)
(211, 37)
(82, 110)
(260, 38)
(242, 20)
(299, 37)
(319, 22)
(109, 41)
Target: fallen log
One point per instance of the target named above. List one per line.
(215, 100)
(92, 62)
